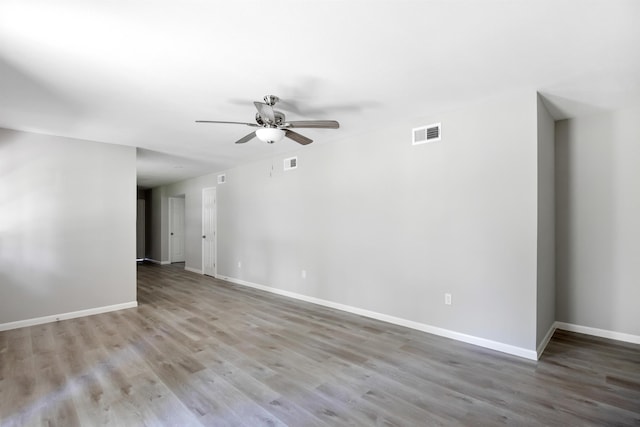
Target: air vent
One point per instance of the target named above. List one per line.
(429, 133)
(222, 179)
(290, 163)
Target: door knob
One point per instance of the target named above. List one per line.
(204, 237)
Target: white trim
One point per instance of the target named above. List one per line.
(63, 316)
(482, 342)
(546, 339)
(193, 270)
(603, 333)
(155, 261)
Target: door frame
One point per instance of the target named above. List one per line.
(170, 224)
(215, 233)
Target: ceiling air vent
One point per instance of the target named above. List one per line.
(290, 163)
(222, 179)
(429, 133)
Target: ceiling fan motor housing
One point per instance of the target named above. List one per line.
(271, 100)
(279, 116)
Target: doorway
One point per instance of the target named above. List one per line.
(176, 229)
(140, 231)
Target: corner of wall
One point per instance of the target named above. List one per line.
(546, 228)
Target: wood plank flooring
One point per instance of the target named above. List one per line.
(199, 351)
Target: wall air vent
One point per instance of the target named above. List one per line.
(222, 178)
(429, 133)
(290, 163)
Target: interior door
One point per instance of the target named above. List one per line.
(176, 229)
(209, 231)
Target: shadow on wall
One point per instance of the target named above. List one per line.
(27, 261)
(29, 104)
(155, 168)
(585, 223)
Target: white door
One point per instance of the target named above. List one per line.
(209, 231)
(176, 229)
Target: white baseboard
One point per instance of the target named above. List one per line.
(155, 261)
(602, 333)
(193, 270)
(546, 339)
(482, 342)
(63, 316)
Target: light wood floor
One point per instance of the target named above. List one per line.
(199, 351)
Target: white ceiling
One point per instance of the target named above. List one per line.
(139, 73)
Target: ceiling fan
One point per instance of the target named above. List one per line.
(272, 125)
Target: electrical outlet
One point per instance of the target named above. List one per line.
(303, 274)
(239, 264)
(447, 299)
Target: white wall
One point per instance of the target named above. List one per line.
(598, 211)
(383, 226)
(546, 298)
(388, 227)
(67, 225)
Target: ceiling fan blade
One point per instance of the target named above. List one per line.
(246, 138)
(231, 123)
(300, 139)
(266, 111)
(316, 124)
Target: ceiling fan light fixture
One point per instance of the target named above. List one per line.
(270, 135)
